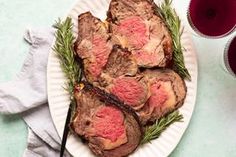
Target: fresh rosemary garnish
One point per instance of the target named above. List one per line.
(174, 24)
(64, 49)
(155, 130)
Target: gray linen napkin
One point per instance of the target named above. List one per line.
(27, 96)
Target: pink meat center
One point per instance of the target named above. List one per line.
(128, 90)
(158, 95)
(135, 30)
(100, 51)
(146, 58)
(109, 123)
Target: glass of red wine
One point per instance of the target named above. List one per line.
(229, 57)
(212, 18)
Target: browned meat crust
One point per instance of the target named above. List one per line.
(89, 99)
(92, 45)
(154, 50)
(173, 84)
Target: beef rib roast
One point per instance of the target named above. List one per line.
(128, 84)
(92, 45)
(168, 92)
(136, 25)
(111, 128)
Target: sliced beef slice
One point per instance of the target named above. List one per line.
(120, 78)
(120, 63)
(92, 45)
(135, 24)
(168, 92)
(111, 128)
(133, 91)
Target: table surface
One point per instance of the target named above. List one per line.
(212, 130)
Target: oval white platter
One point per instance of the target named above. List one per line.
(59, 98)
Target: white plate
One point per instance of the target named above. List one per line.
(59, 99)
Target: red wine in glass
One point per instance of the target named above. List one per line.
(212, 18)
(230, 56)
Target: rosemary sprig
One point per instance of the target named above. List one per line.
(155, 130)
(174, 24)
(64, 50)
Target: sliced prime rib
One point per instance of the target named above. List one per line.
(120, 78)
(133, 91)
(120, 63)
(136, 25)
(151, 93)
(92, 45)
(111, 128)
(168, 92)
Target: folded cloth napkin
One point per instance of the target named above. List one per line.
(27, 96)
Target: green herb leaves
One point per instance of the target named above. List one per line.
(155, 130)
(174, 24)
(64, 49)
